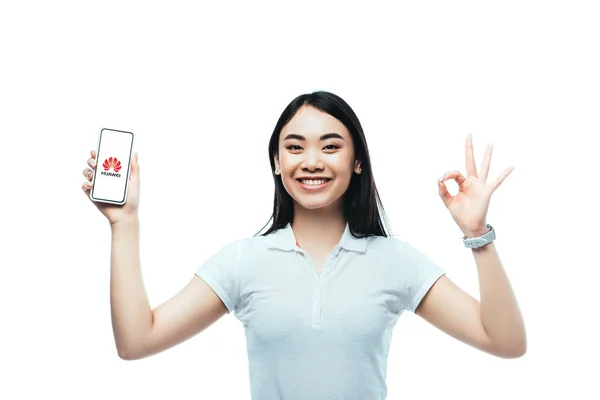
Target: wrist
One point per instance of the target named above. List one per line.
(471, 233)
(126, 222)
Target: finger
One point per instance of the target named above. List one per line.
(485, 163)
(470, 158)
(135, 168)
(86, 187)
(456, 175)
(501, 178)
(93, 153)
(92, 162)
(88, 173)
(443, 192)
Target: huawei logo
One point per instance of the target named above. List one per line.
(111, 163)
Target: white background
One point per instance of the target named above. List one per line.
(203, 86)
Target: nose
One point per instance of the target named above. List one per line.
(312, 161)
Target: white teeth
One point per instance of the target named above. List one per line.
(313, 182)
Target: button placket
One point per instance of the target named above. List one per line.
(331, 261)
(317, 307)
(317, 300)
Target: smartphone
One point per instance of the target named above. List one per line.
(111, 175)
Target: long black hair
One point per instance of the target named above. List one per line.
(361, 201)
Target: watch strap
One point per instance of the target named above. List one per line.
(480, 241)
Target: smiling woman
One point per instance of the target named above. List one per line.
(319, 137)
(320, 291)
(316, 160)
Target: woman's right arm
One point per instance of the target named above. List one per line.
(140, 331)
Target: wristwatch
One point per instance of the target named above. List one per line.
(476, 242)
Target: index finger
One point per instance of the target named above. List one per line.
(470, 158)
(93, 153)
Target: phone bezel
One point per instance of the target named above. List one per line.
(128, 168)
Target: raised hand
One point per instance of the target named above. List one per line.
(470, 205)
(113, 212)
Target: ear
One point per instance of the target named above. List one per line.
(275, 159)
(357, 167)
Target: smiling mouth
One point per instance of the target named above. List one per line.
(313, 182)
(314, 185)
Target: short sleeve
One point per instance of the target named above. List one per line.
(419, 273)
(220, 272)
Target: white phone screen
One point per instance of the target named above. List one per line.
(111, 176)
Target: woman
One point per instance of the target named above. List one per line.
(320, 292)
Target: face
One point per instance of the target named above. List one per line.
(316, 159)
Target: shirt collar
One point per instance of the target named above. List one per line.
(284, 239)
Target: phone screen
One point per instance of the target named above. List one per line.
(111, 175)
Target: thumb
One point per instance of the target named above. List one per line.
(135, 168)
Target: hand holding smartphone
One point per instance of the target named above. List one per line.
(111, 177)
(112, 169)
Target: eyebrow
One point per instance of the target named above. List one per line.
(323, 137)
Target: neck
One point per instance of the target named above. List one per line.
(318, 227)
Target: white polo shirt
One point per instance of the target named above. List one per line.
(319, 337)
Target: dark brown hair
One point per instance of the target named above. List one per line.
(361, 201)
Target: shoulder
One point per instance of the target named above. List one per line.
(254, 241)
(397, 251)
(254, 245)
(389, 245)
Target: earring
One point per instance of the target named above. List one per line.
(276, 170)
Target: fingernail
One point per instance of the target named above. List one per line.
(441, 178)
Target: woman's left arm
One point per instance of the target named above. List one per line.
(493, 324)
(500, 314)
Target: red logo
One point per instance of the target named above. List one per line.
(113, 163)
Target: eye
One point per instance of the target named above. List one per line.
(328, 147)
